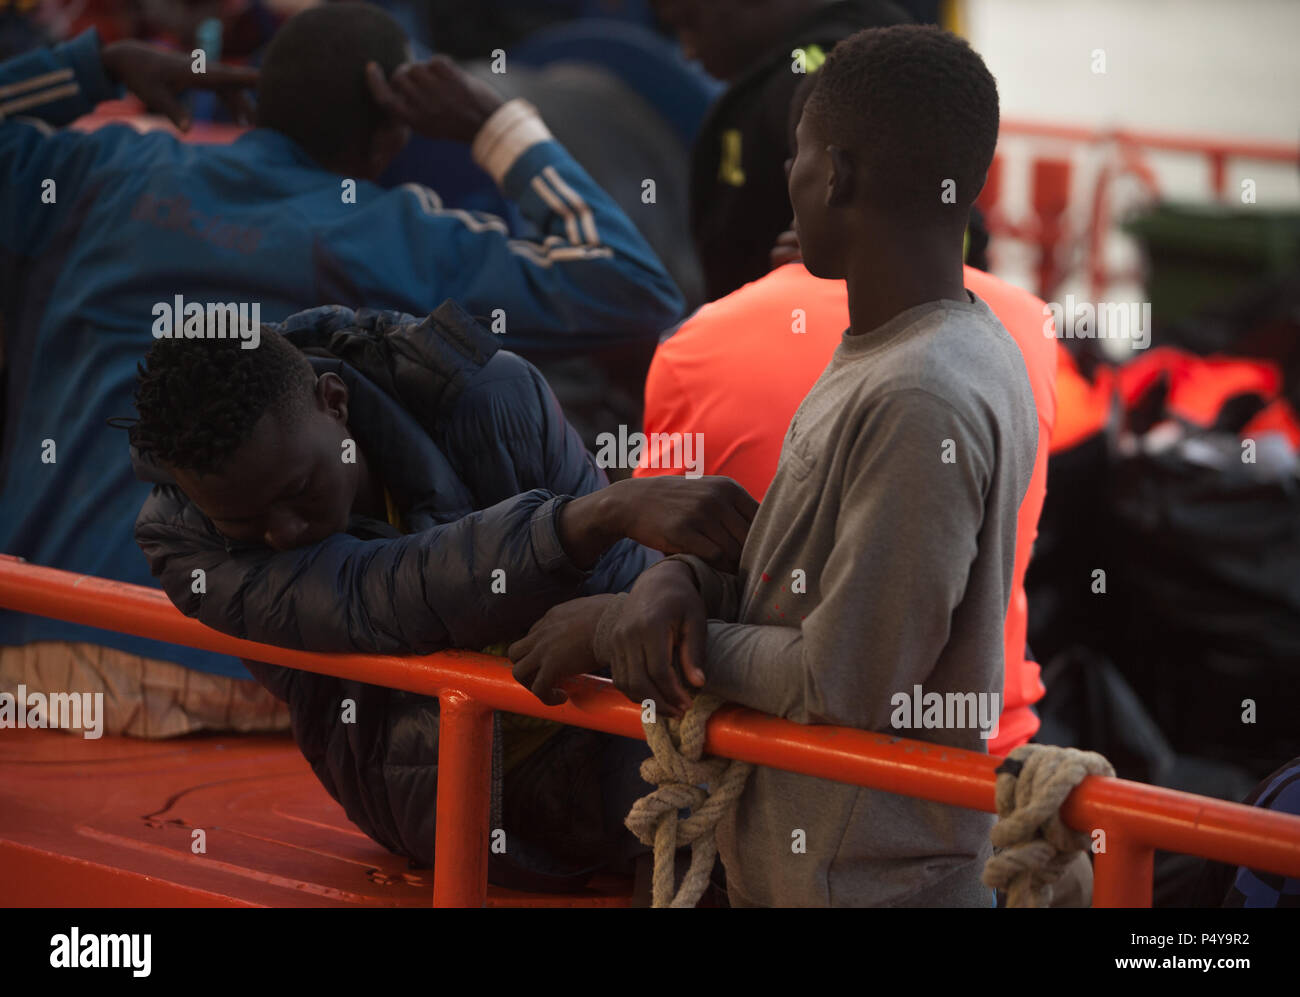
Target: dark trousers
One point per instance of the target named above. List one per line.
(562, 809)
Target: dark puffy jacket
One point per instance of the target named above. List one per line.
(477, 455)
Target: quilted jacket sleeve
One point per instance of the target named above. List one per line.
(511, 422)
(412, 594)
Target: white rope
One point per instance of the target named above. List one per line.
(679, 772)
(1034, 847)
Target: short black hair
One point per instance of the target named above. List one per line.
(313, 86)
(199, 399)
(919, 104)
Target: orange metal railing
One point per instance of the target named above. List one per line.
(1136, 818)
(1053, 188)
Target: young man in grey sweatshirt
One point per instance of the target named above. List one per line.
(874, 580)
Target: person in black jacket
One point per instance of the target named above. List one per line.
(370, 482)
(763, 49)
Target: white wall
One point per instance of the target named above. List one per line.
(1227, 67)
(1213, 68)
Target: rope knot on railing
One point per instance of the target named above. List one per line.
(1033, 846)
(680, 772)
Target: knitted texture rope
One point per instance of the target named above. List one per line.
(1035, 846)
(680, 774)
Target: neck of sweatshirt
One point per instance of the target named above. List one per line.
(855, 345)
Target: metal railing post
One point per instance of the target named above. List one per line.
(464, 800)
(1122, 875)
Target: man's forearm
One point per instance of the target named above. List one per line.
(505, 134)
(412, 594)
(588, 526)
(611, 279)
(761, 667)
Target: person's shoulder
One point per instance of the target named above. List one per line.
(964, 356)
(442, 355)
(954, 335)
(122, 151)
(503, 373)
(507, 395)
(766, 302)
(975, 339)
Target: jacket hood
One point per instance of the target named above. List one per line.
(423, 364)
(147, 470)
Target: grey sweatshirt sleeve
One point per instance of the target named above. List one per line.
(907, 532)
(720, 590)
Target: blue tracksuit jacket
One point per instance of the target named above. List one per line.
(96, 228)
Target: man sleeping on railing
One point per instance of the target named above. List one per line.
(102, 231)
(371, 482)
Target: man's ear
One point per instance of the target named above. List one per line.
(840, 183)
(389, 139)
(332, 396)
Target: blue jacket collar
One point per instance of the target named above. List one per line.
(272, 145)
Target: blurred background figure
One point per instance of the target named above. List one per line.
(762, 49)
(1147, 187)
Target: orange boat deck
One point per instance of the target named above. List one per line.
(110, 822)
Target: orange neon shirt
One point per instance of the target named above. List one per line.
(737, 369)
